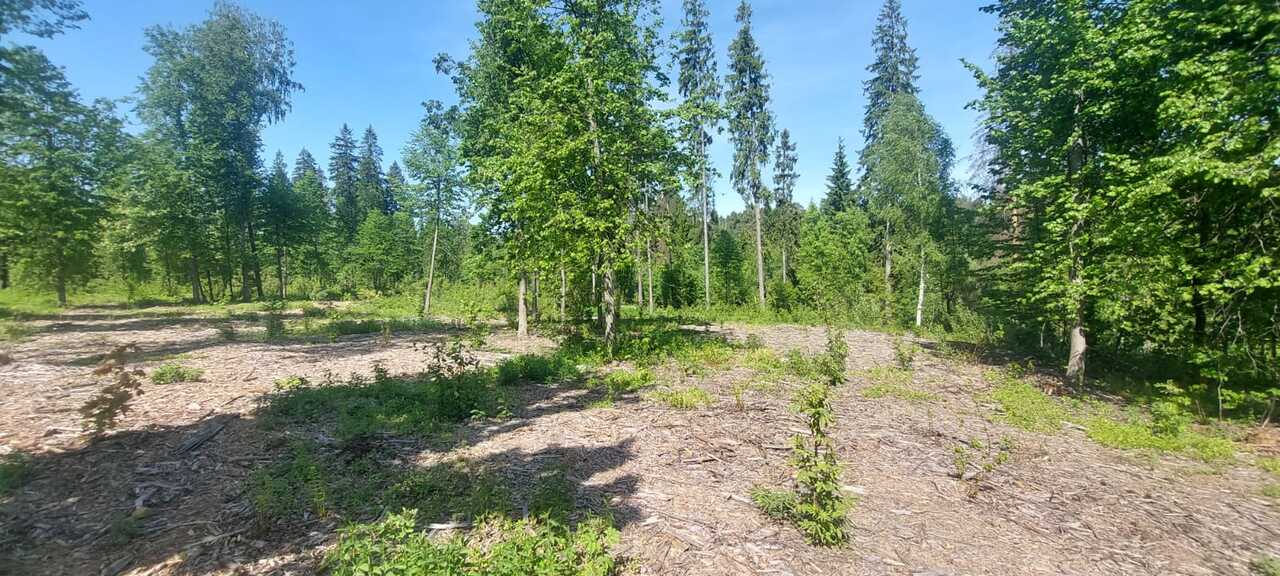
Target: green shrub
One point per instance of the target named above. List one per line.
(495, 547)
(684, 398)
(904, 352)
(284, 490)
(1265, 565)
(536, 368)
(173, 373)
(619, 382)
(776, 504)
(1135, 434)
(821, 510)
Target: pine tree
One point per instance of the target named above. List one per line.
(343, 174)
(305, 163)
(280, 212)
(751, 127)
(396, 188)
(700, 115)
(840, 196)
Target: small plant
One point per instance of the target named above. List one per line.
(904, 352)
(831, 366)
(286, 489)
(290, 383)
(619, 382)
(102, 411)
(1265, 565)
(1270, 464)
(535, 368)
(15, 470)
(1271, 491)
(174, 373)
(973, 462)
(124, 529)
(1170, 414)
(776, 504)
(684, 398)
(821, 509)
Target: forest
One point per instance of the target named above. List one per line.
(548, 245)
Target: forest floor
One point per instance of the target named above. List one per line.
(944, 483)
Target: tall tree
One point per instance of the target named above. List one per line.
(750, 126)
(434, 159)
(840, 193)
(892, 72)
(785, 212)
(371, 183)
(344, 176)
(700, 115)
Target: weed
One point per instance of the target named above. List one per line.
(552, 496)
(174, 373)
(776, 504)
(11, 331)
(975, 461)
(124, 529)
(877, 391)
(496, 546)
(535, 368)
(1025, 406)
(290, 383)
(684, 398)
(832, 364)
(1270, 464)
(904, 352)
(290, 487)
(450, 491)
(312, 311)
(1271, 491)
(15, 470)
(1135, 434)
(821, 510)
(619, 382)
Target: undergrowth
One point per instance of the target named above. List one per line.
(684, 398)
(174, 373)
(15, 470)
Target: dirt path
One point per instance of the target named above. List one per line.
(677, 481)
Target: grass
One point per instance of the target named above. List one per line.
(1265, 565)
(1024, 406)
(15, 470)
(1271, 491)
(14, 331)
(174, 373)
(1270, 464)
(536, 368)
(684, 398)
(893, 382)
(776, 504)
(1136, 434)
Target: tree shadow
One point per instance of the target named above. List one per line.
(143, 499)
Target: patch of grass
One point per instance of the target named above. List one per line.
(619, 382)
(882, 390)
(1271, 491)
(496, 546)
(765, 362)
(704, 357)
(1265, 565)
(11, 331)
(15, 470)
(290, 487)
(1025, 406)
(776, 504)
(451, 491)
(1136, 435)
(174, 373)
(1270, 464)
(684, 398)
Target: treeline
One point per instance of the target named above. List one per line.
(1126, 190)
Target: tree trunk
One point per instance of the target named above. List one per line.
(522, 314)
(280, 270)
(920, 294)
(706, 245)
(888, 273)
(4, 271)
(759, 260)
(431, 269)
(639, 281)
(610, 304)
(648, 248)
(784, 262)
(60, 283)
(1079, 343)
(536, 301)
(564, 292)
(197, 295)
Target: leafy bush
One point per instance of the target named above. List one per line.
(684, 398)
(174, 373)
(904, 352)
(496, 546)
(776, 504)
(821, 510)
(535, 368)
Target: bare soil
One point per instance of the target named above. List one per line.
(677, 481)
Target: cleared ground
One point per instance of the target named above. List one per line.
(676, 481)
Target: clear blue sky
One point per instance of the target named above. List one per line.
(369, 63)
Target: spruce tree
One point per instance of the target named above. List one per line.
(305, 163)
(371, 184)
(750, 127)
(839, 183)
(786, 213)
(892, 72)
(342, 172)
(700, 115)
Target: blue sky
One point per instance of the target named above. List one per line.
(369, 63)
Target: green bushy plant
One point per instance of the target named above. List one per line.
(174, 373)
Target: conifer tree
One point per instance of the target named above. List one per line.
(785, 212)
(894, 70)
(371, 184)
(840, 195)
(343, 174)
(751, 128)
(700, 115)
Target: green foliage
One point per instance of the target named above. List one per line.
(1025, 406)
(892, 382)
(776, 504)
(173, 373)
(821, 508)
(1138, 434)
(290, 487)
(904, 352)
(1270, 464)
(684, 398)
(620, 382)
(974, 461)
(536, 368)
(15, 470)
(535, 545)
(1265, 565)
(103, 411)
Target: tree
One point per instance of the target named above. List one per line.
(700, 114)
(56, 157)
(320, 231)
(345, 190)
(786, 213)
(832, 259)
(892, 72)
(433, 157)
(840, 194)
(210, 90)
(750, 126)
(371, 184)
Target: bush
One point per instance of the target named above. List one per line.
(904, 352)
(684, 398)
(174, 373)
(535, 368)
